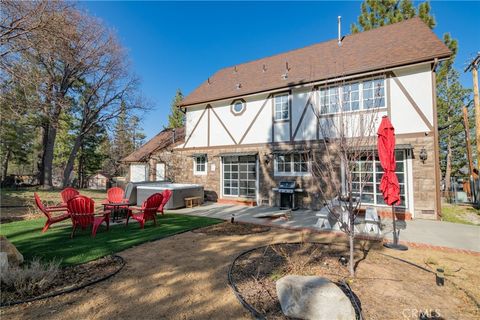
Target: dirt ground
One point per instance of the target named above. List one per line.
(385, 286)
(185, 277)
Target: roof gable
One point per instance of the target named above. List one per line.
(162, 140)
(402, 43)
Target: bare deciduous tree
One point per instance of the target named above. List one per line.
(69, 57)
(341, 164)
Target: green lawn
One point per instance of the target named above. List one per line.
(56, 243)
(460, 214)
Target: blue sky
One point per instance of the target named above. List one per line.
(179, 44)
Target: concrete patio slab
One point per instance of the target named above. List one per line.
(429, 232)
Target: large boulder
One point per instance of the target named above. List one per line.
(310, 297)
(15, 258)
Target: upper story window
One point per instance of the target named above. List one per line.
(354, 96)
(291, 164)
(238, 107)
(373, 94)
(200, 164)
(281, 107)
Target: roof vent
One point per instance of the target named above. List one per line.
(235, 69)
(239, 85)
(339, 31)
(264, 68)
(285, 75)
(208, 80)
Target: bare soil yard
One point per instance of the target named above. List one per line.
(185, 277)
(386, 287)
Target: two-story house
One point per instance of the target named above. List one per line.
(248, 125)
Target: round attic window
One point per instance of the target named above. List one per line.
(238, 107)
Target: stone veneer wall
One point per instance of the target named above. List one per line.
(179, 168)
(425, 186)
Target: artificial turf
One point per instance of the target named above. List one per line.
(56, 243)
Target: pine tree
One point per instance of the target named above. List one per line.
(127, 137)
(452, 97)
(176, 118)
(136, 133)
(122, 142)
(376, 13)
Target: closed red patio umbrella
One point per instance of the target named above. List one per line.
(389, 183)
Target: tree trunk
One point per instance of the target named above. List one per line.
(448, 168)
(351, 261)
(49, 147)
(41, 160)
(71, 161)
(5, 164)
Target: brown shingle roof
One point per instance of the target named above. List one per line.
(160, 141)
(397, 44)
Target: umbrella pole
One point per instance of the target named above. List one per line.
(395, 235)
(395, 245)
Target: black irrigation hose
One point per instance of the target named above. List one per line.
(255, 313)
(430, 271)
(53, 294)
(57, 293)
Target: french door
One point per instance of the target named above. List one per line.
(239, 176)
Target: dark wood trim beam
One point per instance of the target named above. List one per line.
(195, 127)
(223, 125)
(311, 93)
(254, 119)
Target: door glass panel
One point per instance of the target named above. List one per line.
(239, 176)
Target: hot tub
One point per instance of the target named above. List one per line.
(180, 192)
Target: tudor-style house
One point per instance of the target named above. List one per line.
(249, 125)
(246, 124)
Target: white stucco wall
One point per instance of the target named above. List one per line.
(416, 80)
(418, 83)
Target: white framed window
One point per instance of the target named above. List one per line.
(291, 164)
(373, 93)
(351, 97)
(160, 171)
(354, 96)
(329, 100)
(200, 164)
(138, 172)
(281, 107)
(238, 107)
(368, 173)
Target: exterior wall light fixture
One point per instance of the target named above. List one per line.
(423, 155)
(267, 158)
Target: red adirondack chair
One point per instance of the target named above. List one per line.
(167, 194)
(68, 194)
(82, 212)
(115, 195)
(48, 210)
(148, 211)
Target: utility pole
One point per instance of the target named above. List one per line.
(467, 138)
(473, 67)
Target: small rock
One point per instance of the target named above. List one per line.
(15, 258)
(310, 297)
